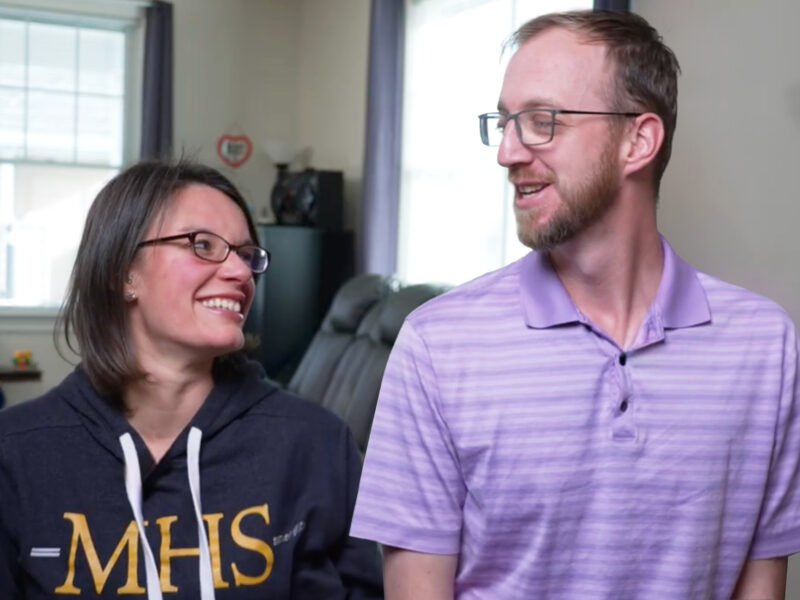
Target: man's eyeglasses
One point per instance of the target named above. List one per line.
(534, 126)
(211, 247)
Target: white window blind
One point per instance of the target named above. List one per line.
(64, 89)
(456, 217)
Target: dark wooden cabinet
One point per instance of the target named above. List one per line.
(308, 265)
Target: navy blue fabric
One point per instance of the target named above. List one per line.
(278, 482)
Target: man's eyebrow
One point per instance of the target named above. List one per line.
(539, 102)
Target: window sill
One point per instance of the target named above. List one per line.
(24, 320)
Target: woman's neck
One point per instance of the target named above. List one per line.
(160, 405)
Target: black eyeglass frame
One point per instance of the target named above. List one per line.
(193, 234)
(484, 120)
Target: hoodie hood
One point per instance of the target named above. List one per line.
(237, 389)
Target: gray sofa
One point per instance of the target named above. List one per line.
(343, 366)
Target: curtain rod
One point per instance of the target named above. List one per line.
(34, 5)
(144, 3)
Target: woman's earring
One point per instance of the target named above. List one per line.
(129, 294)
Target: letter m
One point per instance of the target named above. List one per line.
(82, 537)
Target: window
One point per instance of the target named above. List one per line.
(64, 124)
(456, 218)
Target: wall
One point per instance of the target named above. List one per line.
(334, 41)
(236, 72)
(274, 69)
(729, 200)
(33, 333)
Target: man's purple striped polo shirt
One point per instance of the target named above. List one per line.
(511, 431)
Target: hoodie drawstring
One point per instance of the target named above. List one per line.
(193, 466)
(133, 488)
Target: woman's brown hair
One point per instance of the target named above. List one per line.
(94, 316)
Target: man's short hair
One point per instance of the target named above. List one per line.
(646, 70)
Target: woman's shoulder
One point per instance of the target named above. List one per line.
(267, 399)
(290, 408)
(46, 412)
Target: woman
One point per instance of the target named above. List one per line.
(164, 466)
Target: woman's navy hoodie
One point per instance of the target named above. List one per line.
(277, 482)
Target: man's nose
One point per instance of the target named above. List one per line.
(511, 150)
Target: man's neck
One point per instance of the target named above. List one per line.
(613, 269)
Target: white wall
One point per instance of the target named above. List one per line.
(334, 40)
(236, 72)
(730, 203)
(35, 334)
(274, 69)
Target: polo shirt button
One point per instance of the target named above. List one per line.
(623, 406)
(623, 358)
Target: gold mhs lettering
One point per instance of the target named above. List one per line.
(82, 539)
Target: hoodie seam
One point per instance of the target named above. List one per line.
(36, 428)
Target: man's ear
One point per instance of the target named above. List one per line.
(644, 139)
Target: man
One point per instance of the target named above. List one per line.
(598, 419)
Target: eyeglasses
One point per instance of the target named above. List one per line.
(534, 126)
(209, 246)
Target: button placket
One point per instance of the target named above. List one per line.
(623, 425)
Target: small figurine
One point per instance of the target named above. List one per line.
(22, 359)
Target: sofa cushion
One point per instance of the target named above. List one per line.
(348, 308)
(352, 392)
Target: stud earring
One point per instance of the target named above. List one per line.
(129, 295)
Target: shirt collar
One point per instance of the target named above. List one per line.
(680, 300)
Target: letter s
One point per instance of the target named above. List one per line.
(251, 543)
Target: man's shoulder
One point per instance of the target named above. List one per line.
(478, 298)
(730, 303)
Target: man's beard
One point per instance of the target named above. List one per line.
(582, 204)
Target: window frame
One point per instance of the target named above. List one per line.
(124, 17)
(498, 206)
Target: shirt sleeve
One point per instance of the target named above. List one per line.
(778, 531)
(412, 489)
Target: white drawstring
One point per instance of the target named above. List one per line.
(193, 466)
(133, 487)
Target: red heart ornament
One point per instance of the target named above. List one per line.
(234, 150)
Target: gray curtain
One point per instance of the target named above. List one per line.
(378, 239)
(157, 83)
(618, 5)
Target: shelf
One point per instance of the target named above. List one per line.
(11, 374)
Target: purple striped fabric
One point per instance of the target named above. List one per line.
(508, 431)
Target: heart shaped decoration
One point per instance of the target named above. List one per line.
(234, 150)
